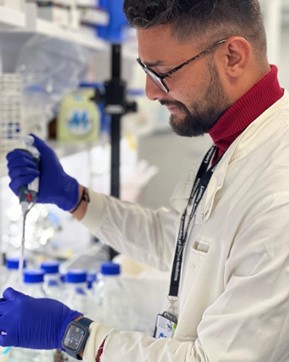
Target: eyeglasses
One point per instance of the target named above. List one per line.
(158, 79)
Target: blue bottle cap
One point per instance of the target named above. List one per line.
(13, 263)
(110, 268)
(31, 276)
(50, 267)
(76, 276)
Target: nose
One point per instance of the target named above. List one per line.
(153, 92)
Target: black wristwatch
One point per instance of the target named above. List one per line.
(75, 337)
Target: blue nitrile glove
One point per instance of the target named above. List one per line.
(55, 186)
(36, 323)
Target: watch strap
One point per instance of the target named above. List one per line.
(84, 197)
(85, 321)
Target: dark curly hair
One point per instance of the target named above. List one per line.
(192, 18)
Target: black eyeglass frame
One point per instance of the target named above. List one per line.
(158, 79)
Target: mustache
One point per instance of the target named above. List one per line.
(170, 103)
(179, 105)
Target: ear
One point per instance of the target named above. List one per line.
(237, 55)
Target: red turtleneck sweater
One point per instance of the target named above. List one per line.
(245, 110)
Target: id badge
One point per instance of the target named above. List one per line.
(166, 325)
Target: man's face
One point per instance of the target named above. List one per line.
(196, 97)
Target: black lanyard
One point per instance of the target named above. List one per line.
(201, 183)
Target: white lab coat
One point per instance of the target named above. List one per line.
(234, 292)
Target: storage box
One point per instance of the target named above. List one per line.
(56, 13)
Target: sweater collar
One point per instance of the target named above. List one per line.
(245, 110)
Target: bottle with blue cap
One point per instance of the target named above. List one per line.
(92, 284)
(115, 310)
(76, 290)
(94, 297)
(12, 277)
(52, 283)
(91, 280)
(33, 280)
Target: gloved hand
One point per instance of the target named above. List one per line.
(55, 186)
(37, 323)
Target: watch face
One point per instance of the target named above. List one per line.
(74, 337)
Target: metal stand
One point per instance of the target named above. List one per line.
(116, 106)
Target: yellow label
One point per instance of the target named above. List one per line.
(79, 117)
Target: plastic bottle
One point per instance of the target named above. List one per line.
(47, 78)
(115, 309)
(12, 278)
(33, 280)
(93, 301)
(91, 280)
(52, 283)
(76, 290)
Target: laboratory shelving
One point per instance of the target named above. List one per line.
(27, 22)
(16, 28)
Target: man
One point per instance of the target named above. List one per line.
(225, 237)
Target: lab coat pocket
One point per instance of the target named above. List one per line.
(199, 251)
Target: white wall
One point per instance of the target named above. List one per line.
(283, 62)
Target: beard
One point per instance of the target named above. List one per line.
(202, 116)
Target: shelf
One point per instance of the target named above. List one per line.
(10, 18)
(16, 22)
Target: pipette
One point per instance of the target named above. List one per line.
(28, 193)
(27, 198)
